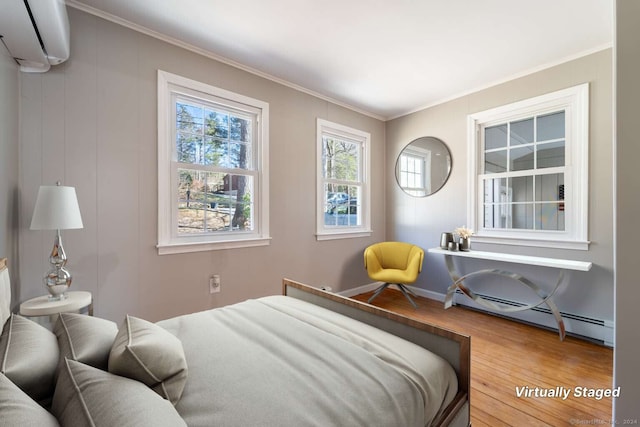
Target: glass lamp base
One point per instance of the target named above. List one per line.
(58, 278)
(57, 282)
(59, 297)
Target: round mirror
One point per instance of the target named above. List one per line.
(423, 166)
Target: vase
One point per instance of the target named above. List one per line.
(445, 238)
(465, 244)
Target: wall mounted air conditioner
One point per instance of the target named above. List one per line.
(35, 32)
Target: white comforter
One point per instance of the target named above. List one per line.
(279, 361)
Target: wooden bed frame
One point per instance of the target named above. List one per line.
(451, 346)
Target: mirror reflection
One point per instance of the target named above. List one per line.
(423, 166)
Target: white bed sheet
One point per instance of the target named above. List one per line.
(279, 361)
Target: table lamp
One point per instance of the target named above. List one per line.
(57, 209)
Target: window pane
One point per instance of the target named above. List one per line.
(550, 155)
(239, 156)
(549, 187)
(187, 147)
(411, 174)
(495, 161)
(217, 124)
(521, 132)
(490, 217)
(521, 159)
(240, 129)
(496, 197)
(210, 137)
(551, 126)
(342, 207)
(521, 188)
(215, 151)
(495, 137)
(495, 191)
(189, 118)
(340, 159)
(522, 216)
(238, 189)
(549, 216)
(334, 196)
(495, 216)
(345, 161)
(210, 202)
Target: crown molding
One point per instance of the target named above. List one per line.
(211, 55)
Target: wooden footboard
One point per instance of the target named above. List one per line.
(455, 348)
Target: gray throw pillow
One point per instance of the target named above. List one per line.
(29, 356)
(18, 409)
(85, 339)
(145, 352)
(87, 396)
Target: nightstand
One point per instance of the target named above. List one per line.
(76, 301)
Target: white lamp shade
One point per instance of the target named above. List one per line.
(56, 209)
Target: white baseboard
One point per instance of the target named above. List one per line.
(598, 330)
(375, 285)
(360, 289)
(590, 328)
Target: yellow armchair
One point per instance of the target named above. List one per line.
(394, 263)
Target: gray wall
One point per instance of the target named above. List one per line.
(91, 123)
(627, 351)
(9, 161)
(125, 270)
(421, 220)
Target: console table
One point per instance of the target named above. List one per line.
(545, 298)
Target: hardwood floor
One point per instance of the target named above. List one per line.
(507, 355)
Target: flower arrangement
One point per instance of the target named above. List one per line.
(463, 232)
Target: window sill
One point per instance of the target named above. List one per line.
(541, 243)
(181, 248)
(342, 235)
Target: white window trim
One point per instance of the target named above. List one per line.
(169, 244)
(576, 102)
(326, 233)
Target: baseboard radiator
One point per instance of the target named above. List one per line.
(590, 328)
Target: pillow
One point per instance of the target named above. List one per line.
(87, 396)
(29, 356)
(145, 352)
(84, 338)
(18, 409)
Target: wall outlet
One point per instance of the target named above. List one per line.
(214, 284)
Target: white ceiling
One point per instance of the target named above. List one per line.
(383, 57)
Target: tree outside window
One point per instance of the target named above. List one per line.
(343, 195)
(212, 167)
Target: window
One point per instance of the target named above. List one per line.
(529, 177)
(412, 164)
(343, 189)
(212, 167)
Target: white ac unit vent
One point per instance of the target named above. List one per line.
(35, 32)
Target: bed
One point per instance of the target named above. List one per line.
(303, 358)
